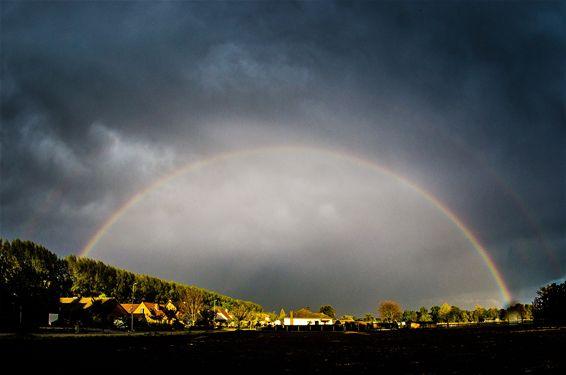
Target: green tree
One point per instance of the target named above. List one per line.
(32, 279)
(528, 312)
(328, 310)
(435, 313)
(455, 314)
(273, 316)
(241, 312)
(466, 316)
(390, 311)
(409, 316)
(191, 304)
(423, 315)
(518, 311)
(492, 314)
(444, 313)
(479, 314)
(550, 304)
(369, 317)
(206, 316)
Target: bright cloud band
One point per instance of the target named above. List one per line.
(480, 249)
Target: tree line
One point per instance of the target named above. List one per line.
(32, 279)
(391, 311)
(548, 307)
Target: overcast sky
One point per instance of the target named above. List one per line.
(465, 102)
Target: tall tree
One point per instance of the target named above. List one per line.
(423, 315)
(479, 314)
(32, 279)
(191, 304)
(550, 304)
(444, 312)
(390, 311)
(518, 311)
(456, 314)
(435, 313)
(328, 310)
(241, 313)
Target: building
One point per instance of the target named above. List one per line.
(92, 311)
(222, 316)
(153, 313)
(305, 317)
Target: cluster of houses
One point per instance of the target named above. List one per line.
(104, 311)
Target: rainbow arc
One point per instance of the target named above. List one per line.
(193, 166)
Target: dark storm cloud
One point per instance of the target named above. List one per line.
(467, 100)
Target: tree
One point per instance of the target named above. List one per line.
(369, 317)
(435, 313)
(479, 314)
(503, 316)
(191, 304)
(492, 314)
(272, 316)
(390, 311)
(458, 315)
(528, 312)
(281, 315)
(444, 312)
(206, 316)
(423, 315)
(550, 304)
(466, 316)
(32, 279)
(410, 316)
(518, 311)
(241, 313)
(328, 310)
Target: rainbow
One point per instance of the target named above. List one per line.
(193, 166)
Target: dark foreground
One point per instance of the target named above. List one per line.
(470, 351)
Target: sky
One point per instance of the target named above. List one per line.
(292, 153)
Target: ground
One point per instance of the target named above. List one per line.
(468, 351)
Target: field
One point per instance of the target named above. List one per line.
(458, 350)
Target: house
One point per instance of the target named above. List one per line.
(102, 311)
(305, 317)
(130, 307)
(153, 313)
(222, 316)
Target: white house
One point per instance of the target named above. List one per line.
(305, 317)
(222, 316)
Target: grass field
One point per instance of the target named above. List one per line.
(463, 350)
